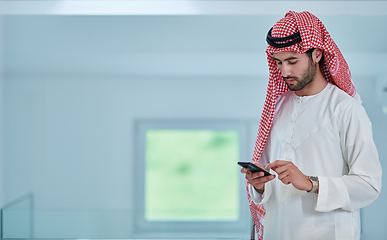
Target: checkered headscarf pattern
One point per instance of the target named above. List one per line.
(334, 68)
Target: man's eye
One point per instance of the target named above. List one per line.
(292, 62)
(279, 63)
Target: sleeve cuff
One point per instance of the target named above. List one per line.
(260, 198)
(322, 196)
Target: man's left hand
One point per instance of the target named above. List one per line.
(289, 173)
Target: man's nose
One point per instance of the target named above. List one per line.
(286, 70)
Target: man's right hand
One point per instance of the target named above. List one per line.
(257, 179)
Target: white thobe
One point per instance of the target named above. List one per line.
(327, 135)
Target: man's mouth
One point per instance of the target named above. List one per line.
(290, 80)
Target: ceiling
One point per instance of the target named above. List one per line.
(228, 44)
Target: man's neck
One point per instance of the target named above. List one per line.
(317, 85)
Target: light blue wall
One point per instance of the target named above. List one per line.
(374, 216)
(71, 141)
(1, 114)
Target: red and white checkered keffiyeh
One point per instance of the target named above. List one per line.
(334, 68)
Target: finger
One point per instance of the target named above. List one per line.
(282, 168)
(286, 180)
(257, 174)
(245, 170)
(258, 164)
(283, 176)
(276, 163)
(261, 180)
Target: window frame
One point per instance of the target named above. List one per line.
(197, 228)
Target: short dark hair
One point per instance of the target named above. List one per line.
(309, 52)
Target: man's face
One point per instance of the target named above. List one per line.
(297, 69)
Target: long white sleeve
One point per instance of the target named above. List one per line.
(260, 198)
(362, 184)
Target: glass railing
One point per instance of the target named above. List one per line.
(17, 218)
(21, 219)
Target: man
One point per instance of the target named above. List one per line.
(315, 135)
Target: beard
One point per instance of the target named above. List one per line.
(306, 78)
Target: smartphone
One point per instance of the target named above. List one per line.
(253, 168)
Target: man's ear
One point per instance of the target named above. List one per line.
(317, 55)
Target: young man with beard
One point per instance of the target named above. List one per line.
(315, 135)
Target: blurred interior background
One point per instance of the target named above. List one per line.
(125, 119)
